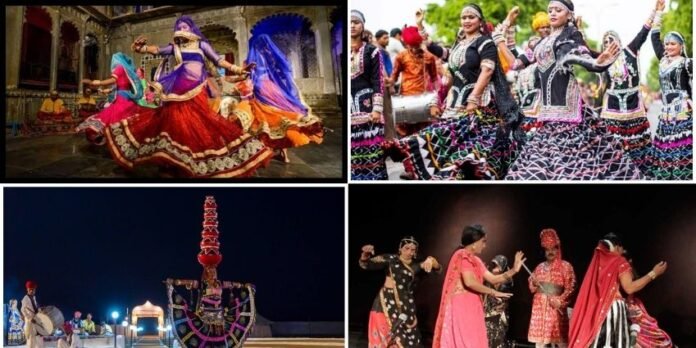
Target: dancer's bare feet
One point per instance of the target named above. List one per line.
(284, 155)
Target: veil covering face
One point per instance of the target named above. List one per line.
(136, 91)
(273, 67)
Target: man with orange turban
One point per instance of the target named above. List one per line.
(418, 70)
(552, 283)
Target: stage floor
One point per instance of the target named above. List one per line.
(277, 342)
(71, 156)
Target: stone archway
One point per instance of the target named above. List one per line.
(293, 34)
(224, 42)
(147, 310)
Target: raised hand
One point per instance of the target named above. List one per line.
(609, 54)
(368, 249)
(420, 16)
(512, 15)
(519, 260)
(660, 5)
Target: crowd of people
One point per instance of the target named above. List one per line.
(498, 111)
(474, 312)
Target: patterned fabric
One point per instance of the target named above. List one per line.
(671, 157)
(614, 330)
(650, 335)
(390, 303)
(15, 332)
(634, 135)
(188, 136)
(548, 324)
(497, 315)
(367, 87)
(567, 151)
(226, 327)
(456, 149)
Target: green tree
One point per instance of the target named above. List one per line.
(653, 78)
(445, 18)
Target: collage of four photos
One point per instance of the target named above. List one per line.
(349, 173)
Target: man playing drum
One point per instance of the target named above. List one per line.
(29, 310)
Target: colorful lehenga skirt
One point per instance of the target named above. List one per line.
(465, 147)
(205, 328)
(634, 135)
(671, 155)
(574, 151)
(94, 125)
(188, 136)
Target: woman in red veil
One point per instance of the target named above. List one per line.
(600, 318)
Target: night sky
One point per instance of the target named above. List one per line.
(657, 222)
(103, 249)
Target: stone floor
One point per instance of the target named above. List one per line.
(71, 156)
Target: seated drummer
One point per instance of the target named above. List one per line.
(87, 103)
(53, 109)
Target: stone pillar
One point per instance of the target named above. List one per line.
(322, 35)
(55, 33)
(81, 68)
(242, 31)
(295, 62)
(14, 26)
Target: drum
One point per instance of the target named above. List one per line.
(412, 108)
(48, 320)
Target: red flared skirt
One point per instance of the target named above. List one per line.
(188, 136)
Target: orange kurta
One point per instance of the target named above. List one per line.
(418, 72)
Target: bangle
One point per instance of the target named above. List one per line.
(652, 275)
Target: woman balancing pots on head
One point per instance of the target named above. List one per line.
(393, 319)
(184, 133)
(472, 139)
(460, 321)
(572, 143)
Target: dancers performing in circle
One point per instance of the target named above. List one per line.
(170, 123)
(550, 129)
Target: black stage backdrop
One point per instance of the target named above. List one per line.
(657, 222)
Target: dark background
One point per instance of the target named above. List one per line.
(657, 222)
(103, 249)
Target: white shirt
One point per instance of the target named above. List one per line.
(394, 47)
(28, 309)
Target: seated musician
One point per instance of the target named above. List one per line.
(53, 109)
(88, 105)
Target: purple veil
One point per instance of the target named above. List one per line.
(272, 64)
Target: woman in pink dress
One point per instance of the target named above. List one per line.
(124, 100)
(460, 321)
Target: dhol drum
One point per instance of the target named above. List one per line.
(48, 320)
(412, 108)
